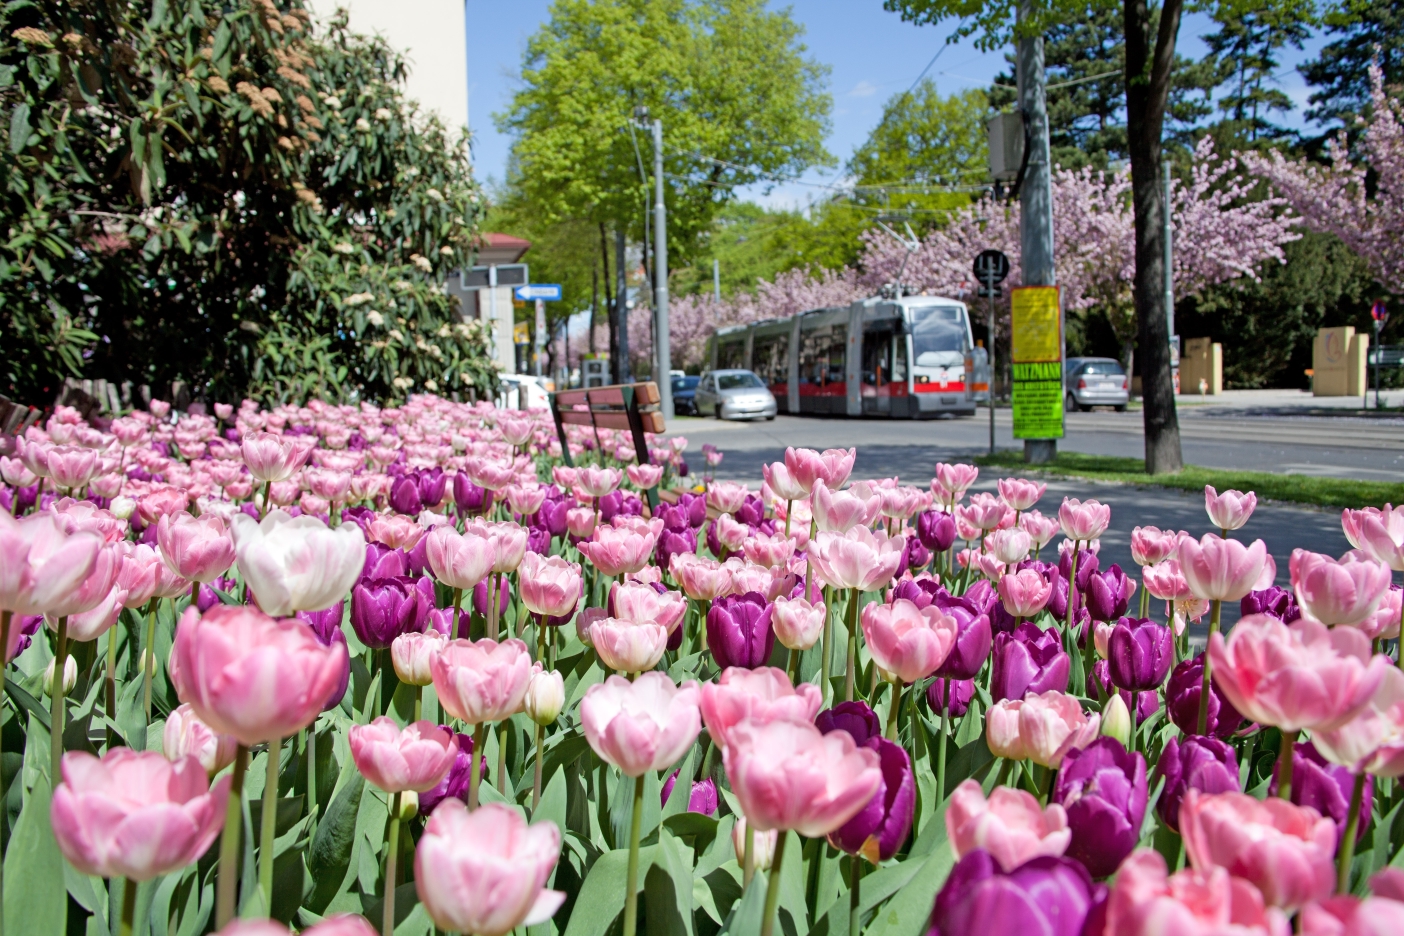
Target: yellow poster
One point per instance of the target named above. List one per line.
(1036, 332)
(521, 333)
(1035, 324)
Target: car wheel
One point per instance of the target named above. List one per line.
(1121, 408)
(1072, 405)
(770, 418)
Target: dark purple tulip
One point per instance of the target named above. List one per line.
(361, 516)
(1099, 686)
(326, 627)
(915, 556)
(672, 542)
(1182, 701)
(1042, 897)
(682, 468)
(383, 562)
(752, 511)
(674, 517)
(982, 596)
(455, 783)
(739, 631)
(538, 540)
(1198, 763)
(694, 504)
(973, 641)
(702, 799)
(29, 626)
(504, 596)
(922, 592)
(1087, 566)
(1103, 788)
(962, 691)
(441, 619)
(882, 826)
(1108, 594)
(207, 599)
(936, 530)
(1327, 788)
(1279, 602)
(383, 609)
(417, 559)
(1139, 653)
(468, 497)
(405, 497)
(431, 483)
(1028, 660)
(856, 718)
(713, 543)
(552, 516)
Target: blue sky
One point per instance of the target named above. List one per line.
(872, 55)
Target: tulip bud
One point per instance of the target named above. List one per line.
(412, 653)
(122, 507)
(545, 697)
(409, 805)
(762, 848)
(70, 676)
(1116, 721)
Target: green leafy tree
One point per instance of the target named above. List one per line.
(228, 196)
(1365, 31)
(1244, 52)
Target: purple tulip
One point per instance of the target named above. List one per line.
(207, 599)
(504, 596)
(1087, 565)
(538, 540)
(702, 799)
(739, 632)
(552, 516)
(1182, 701)
(361, 516)
(694, 504)
(856, 718)
(962, 691)
(405, 497)
(1279, 602)
(619, 504)
(455, 783)
(326, 627)
(441, 619)
(752, 511)
(1139, 653)
(1327, 788)
(1028, 660)
(915, 556)
(1196, 763)
(672, 542)
(383, 562)
(1099, 686)
(1108, 594)
(674, 517)
(431, 482)
(1103, 788)
(29, 626)
(973, 640)
(1044, 896)
(682, 469)
(417, 559)
(383, 609)
(882, 826)
(936, 530)
(922, 592)
(982, 597)
(468, 497)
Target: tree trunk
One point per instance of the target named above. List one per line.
(621, 303)
(609, 298)
(1147, 93)
(594, 305)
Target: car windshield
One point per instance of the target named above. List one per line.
(742, 381)
(1108, 368)
(938, 335)
(685, 383)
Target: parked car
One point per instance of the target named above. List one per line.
(1096, 382)
(733, 394)
(684, 392)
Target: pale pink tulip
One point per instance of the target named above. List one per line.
(1222, 569)
(545, 696)
(550, 586)
(1381, 536)
(859, 558)
(626, 646)
(769, 551)
(484, 872)
(92, 623)
(412, 656)
(15, 473)
(140, 571)
(1024, 593)
(1297, 676)
(641, 726)
(459, 560)
(701, 579)
(416, 758)
(841, 511)
(1151, 545)
(617, 550)
(1010, 825)
(1147, 901)
(726, 497)
(1009, 545)
(1002, 730)
(730, 534)
(1053, 723)
(135, 814)
(1384, 623)
(395, 531)
(1282, 849)
(762, 845)
(580, 522)
(1348, 915)
(565, 478)
(1020, 493)
(494, 476)
(71, 467)
(85, 516)
(987, 512)
(92, 591)
(643, 604)
(1373, 741)
(184, 735)
(832, 467)
(196, 548)
(783, 483)
(787, 775)
(508, 539)
(798, 624)
(644, 476)
(164, 500)
(597, 482)
(272, 458)
(1083, 520)
(764, 693)
(901, 503)
(908, 642)
(297, 564)
(40, 565)
(481, 681)
(1165, 581)
(1344, 592)
(952, 481)
(1041, 529)
(1229, 510)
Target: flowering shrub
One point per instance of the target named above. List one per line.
(350, 668)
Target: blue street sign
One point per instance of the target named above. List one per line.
(550, 292)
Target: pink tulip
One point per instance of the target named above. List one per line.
(1002, 730)
(1282, 849)
(858, 559)
(1381, 536)
(494, 476)
(272, 458)
(331, 486)
(1053, 723)
(92, 623)
(395, 531)
(1024, 593)
(952, 481)
(787, 775)
(297, 564)
(1345, 592)
(762, 845)
(92, 591)
(798, 624)
(412, 654)
(617, 550)
(1229, 510)
(597, 482)
(1150, 545)
(642, 604)
(565, 478)
(731, 534)
(726, 497)
(40, 565)
(764, 694)
(185, 735)
(481, 681)
(550, 586)
(987, 512)
(769, 551)
(416, 758)
(1020, 493)
(1147, 901)
(135, 814)
(155, 504)
(14, 472)
(196, 548)
(701, 579)
(783, 483)
(645, 476)
(1384, 623)
(1222, 569)
(1347, 915)
(526, 500)
(484, 872)
(808, 466)
(627, 646)
(908, 642)
(580, 522)
(71, 467)
(508, 539)
(1166, 581)
(841, 511)
(1009, 545)
(1010, 825)
(1041, 529)
(640, 726)
(900, 503)
(459, 560)
(1295, 676)
(250, 676)
(1373, 741)
(1083, 520)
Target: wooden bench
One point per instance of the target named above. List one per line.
(630, 407)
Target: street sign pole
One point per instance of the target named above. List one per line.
(991, 267)
(989, 292)
(664, 351)
(540, 334)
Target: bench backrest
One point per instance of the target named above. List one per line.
(631, 407)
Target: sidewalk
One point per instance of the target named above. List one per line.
(1288, 403)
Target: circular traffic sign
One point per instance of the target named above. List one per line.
(991, 266)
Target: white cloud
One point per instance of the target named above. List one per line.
(863, 88)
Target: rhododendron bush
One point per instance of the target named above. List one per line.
(347, 669)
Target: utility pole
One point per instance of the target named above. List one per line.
(621, 308)
(1035, 198)
(662, 342)
(1169, 278)
(716, 280)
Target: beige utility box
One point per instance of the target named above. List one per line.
(1202, 360)
(1338, 361)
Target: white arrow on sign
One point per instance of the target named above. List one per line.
(549, 292)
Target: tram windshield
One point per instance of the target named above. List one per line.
(938, 335)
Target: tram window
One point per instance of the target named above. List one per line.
(731, 354)
(770, 359)
(899, 358)
(877, 357)
(823, 355)
(938, 335)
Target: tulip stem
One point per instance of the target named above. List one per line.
(148, 658)
(772, 888)
(1072, 588)
(269, 832)
(536, 779)
(56, 706)
(479, 737)
(855, 901)
(111, 696)
(826, 648)
(392, 853)
(1135, 704)
(1399, 644)
(502, 782)
(1284, 765)
(312, 776)
(631, 885)
(1214, 608)
(852, 645)
(794, 664)
(267, 493)
(1347, 850)
(453, 618)
(941, 743)
(892, 713)
(748, 858)
(229, 842)
(789, 508)
(129, 895)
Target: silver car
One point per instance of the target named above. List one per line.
(733, 394)
(1096, 382)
